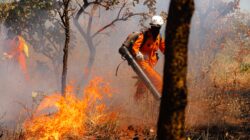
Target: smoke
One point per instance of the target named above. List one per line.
(14, 89)
(108, 58)
(217, 31)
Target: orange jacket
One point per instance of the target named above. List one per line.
(19, 52)
(149, 48)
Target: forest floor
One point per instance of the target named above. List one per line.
(213, 131)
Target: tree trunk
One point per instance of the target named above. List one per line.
(174, 96)
(66, 45)
(92, 53)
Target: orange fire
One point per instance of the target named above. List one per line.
(72, 116)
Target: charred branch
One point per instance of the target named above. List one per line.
(85, 5)
(124, 18)
(118, 18)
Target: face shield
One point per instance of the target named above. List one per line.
(155, 30)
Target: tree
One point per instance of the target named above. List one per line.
(65, 17)
(208, 17)
(89, 33)
(174, 96)
(38, 24)
(4, 8)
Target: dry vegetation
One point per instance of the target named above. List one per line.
(219, 98)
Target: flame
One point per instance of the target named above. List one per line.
(72, 116)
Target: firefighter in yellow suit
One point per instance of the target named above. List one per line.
(146, 55)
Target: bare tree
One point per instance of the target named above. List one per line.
(209, 16)
(174, 96)
(46, 39)
(65, 17)
(89, 36)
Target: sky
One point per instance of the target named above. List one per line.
(245, 5)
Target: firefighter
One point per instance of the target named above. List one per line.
(145, 51)
(16, 51)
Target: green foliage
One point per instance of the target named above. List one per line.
(29, 16)
(4, 8)
(38, 22)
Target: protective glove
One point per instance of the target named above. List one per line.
(139, 56)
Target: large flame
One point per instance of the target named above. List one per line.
(72, 116)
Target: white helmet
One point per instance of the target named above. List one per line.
(157, 20)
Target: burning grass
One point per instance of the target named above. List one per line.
(73, 117)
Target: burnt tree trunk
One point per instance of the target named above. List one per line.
(65, 19)
(174, 96)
